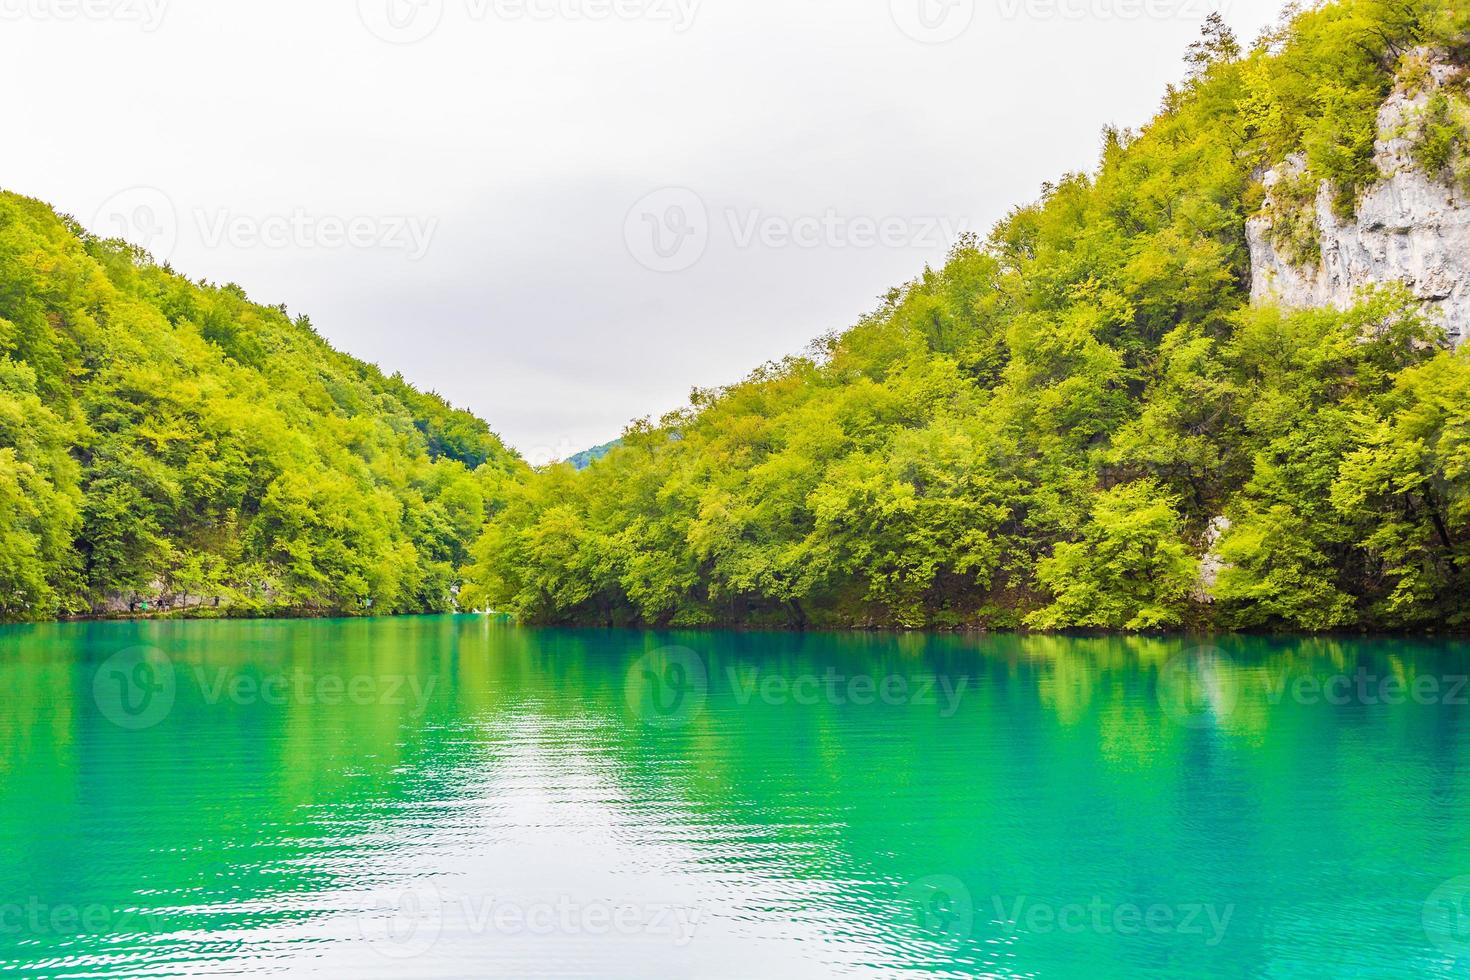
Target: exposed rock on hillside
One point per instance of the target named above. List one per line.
(1409, 227)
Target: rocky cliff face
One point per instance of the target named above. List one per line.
(1409, 228)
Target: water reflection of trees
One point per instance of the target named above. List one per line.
(830, 807)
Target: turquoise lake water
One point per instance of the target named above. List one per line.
(459, 797)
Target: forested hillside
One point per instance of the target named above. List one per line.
(165, 441)
(1068, 421)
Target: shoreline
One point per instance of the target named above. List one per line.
(509, 619)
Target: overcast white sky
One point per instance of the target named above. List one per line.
(563, 214)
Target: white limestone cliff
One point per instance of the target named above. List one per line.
(1409, 228)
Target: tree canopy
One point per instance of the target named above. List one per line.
(1045, 430)
(161, 437)
(1061, 426)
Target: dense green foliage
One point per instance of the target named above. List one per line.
(1043, 431)
(164, 438)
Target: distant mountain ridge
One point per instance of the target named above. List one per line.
(587, 457)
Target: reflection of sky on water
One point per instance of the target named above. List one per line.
(517, 817)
